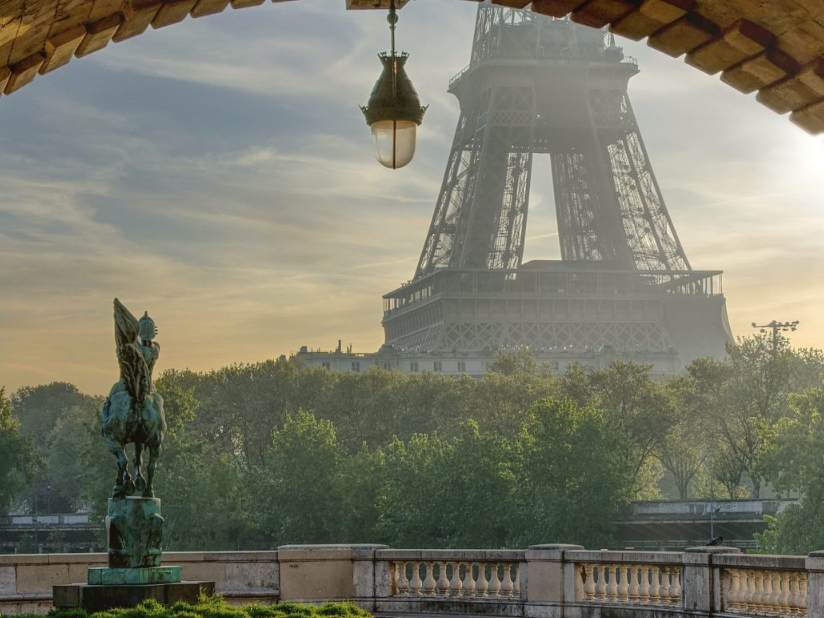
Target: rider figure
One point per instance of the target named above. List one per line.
(148, 348)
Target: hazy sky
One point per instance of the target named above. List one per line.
(219, 174)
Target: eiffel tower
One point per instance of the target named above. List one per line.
(623, 288)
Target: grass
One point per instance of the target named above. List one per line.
(216, 607)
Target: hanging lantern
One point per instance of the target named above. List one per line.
(394, 110)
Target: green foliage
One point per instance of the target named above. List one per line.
(216, 607)
(636, 409)
(793, 460)
(299, 486)
(272, 453)
(17, 456)
(55, 417)
(571, 480)
(447, 493)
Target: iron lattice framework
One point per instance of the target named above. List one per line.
(539, 85)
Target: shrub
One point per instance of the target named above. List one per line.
(216, 607)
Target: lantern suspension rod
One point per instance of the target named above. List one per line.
(393, 19)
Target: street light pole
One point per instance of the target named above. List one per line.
(36, 544)
(776, 327)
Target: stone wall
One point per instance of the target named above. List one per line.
(26, 580)
(544, 581)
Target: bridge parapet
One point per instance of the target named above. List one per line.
(544, 581)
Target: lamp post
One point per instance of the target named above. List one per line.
(36, 544)
(394, 110)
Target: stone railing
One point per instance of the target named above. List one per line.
(544, 581)
(631, 578)
(456, 575)
(762, 585)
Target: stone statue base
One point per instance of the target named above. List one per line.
(150, 575)
(101, 598)
(134, 528)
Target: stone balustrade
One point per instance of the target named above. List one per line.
(458, 575)
(763, 585)
(628, 578)
(544, 581)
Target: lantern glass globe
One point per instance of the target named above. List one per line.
(394, 142)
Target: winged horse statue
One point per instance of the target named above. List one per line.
(133, 411)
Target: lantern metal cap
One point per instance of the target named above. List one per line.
(398, 101)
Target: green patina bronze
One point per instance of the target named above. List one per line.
(134, 529)
(133, 413)
(120, 577)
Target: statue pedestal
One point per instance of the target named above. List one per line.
(101, 598)
(134, 528)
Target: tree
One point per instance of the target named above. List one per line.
(45, 412)
(792, 461)
(741, 396)
(634, 405)
(447, 493)
(39, 407)
(298, 489)
(683, 450)
(65, 468)
(514, 363)
(18, 459)
(571, 478)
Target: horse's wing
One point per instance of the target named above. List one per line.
(126, 327)
(133, 372)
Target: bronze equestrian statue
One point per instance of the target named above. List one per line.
(133, 411)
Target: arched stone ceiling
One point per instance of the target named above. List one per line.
(774, 47)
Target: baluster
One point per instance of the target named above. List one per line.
(759, 589)
(612, 585)
(589, 581)
(750, 589)
(517, 590)
(483, 583)
(633, 584)
(775, 593)
(644, 591)
(801, 595)
(416, 583)
(469, 579)
(623, 586)
(734, 591)
(443, 582)
(766, 595)
(665, 585)
(401, 583)
(455, 583)
(508, 586)
(494, 581)
(786, 594)
(429, 584)
(601, 586)
(580, 578)
(675, 589)
(655, 585)
(793, 584)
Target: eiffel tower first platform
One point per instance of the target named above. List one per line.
(623, 288)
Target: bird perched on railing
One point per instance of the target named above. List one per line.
(716, 540)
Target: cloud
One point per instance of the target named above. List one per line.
(220, 175)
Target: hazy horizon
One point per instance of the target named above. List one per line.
(219, 174)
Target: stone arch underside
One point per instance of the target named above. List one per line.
(772, 47)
